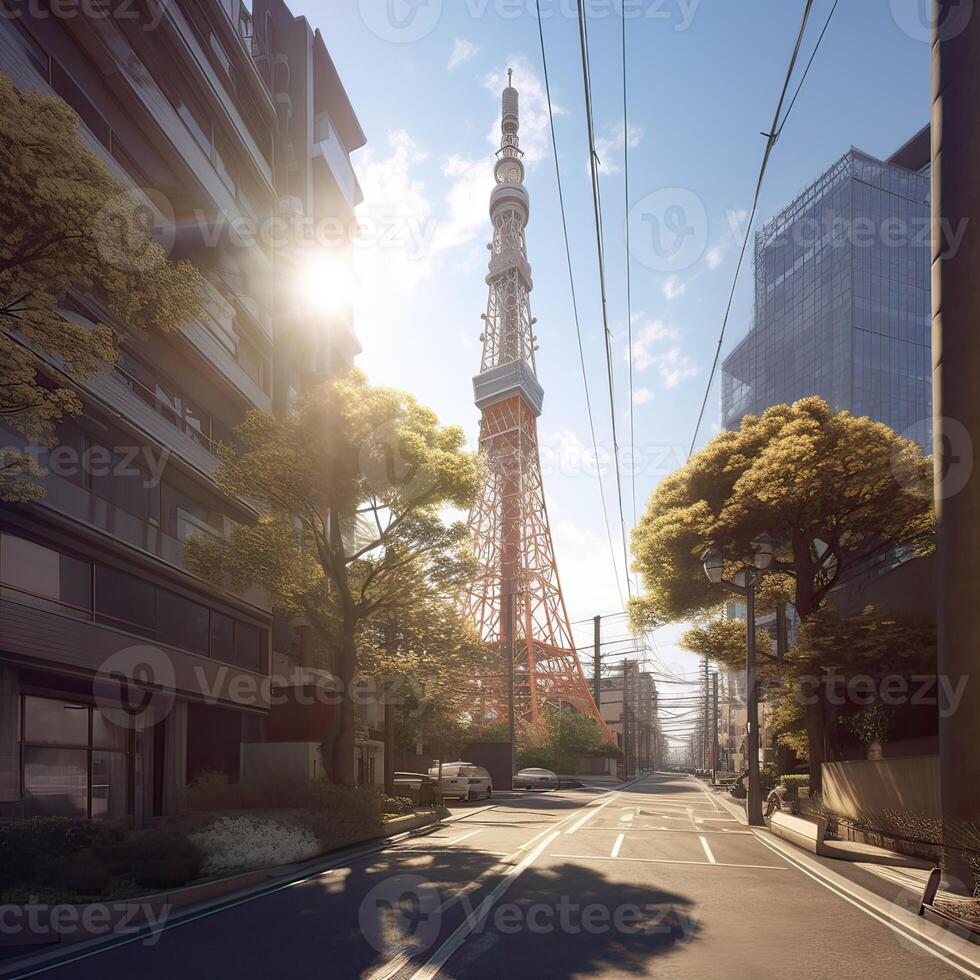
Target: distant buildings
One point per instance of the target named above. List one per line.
(842, 298)
(226, 119)
(629, 707)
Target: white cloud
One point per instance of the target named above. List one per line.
(732, 235)
(655, 345)
(641, 396)
(463, 51)
(673, 287)
(396, 206)
(651, 333)
(607, 148)
(675, 367)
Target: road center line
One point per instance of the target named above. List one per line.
(588, 815)
(707, 850)
(616, 847)
(441, 956)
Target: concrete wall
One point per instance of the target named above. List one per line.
(905, 785)
(281, 760)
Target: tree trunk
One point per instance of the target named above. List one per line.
(342, 750)
(816, 734)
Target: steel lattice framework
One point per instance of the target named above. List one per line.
(517, 595)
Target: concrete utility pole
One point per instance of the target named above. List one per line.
(597, 661)
(714, 727)
(706, 724)
(956, 407)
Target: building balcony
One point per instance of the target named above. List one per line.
(328, 148)
(33, 635)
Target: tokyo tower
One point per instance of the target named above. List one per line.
(516, 598)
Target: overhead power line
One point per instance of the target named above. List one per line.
(600, 251)
(771, 138)
(629, 279)
(578, 328)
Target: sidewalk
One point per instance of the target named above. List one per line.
(883, 883)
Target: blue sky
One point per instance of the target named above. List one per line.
(704, 77)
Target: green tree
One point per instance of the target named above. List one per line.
(566, 738)
(66, 224)
(834, 490)
(874, 643)
(353, 481)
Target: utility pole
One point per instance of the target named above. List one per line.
(509, 651)
(626, 719)
(714, 727)
(705, 741)
(597, 661)
(956, 408)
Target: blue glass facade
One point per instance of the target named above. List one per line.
(842, 301)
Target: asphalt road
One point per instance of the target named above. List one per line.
(652, 880)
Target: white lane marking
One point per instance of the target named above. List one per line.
(463, 837)
(588, 815)
(475, 919)
(555, 826)
(627, 818)
(707, 850)
(618, 845)
(898, 920)
(700, 864)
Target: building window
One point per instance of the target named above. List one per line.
(75, 762)
(125, 601)
(34, 575)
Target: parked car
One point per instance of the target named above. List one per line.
(418, 786)
(464, 781)
(536, 779)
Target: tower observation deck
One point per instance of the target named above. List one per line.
(516, 599)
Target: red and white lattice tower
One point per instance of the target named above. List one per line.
(517, 588)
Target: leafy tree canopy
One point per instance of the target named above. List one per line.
(67, 224)
(832, 489)
(353, 484)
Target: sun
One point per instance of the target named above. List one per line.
(326, 282)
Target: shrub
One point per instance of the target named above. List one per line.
(157, 858)
(797, 781)
(334, 813)
(254, 842)
(398, 805)
(82, 873)
(26, 845)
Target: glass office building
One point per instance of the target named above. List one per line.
(842, 298)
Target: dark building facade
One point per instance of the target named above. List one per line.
(122, 674)
(842, 298)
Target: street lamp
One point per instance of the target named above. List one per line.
(763, 551)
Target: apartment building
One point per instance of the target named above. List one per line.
(629, 707)
(123, 675)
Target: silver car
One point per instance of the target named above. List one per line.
(464, 781)
(536, 779)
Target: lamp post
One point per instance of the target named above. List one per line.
(763, 549)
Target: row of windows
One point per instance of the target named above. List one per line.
(43, 577)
